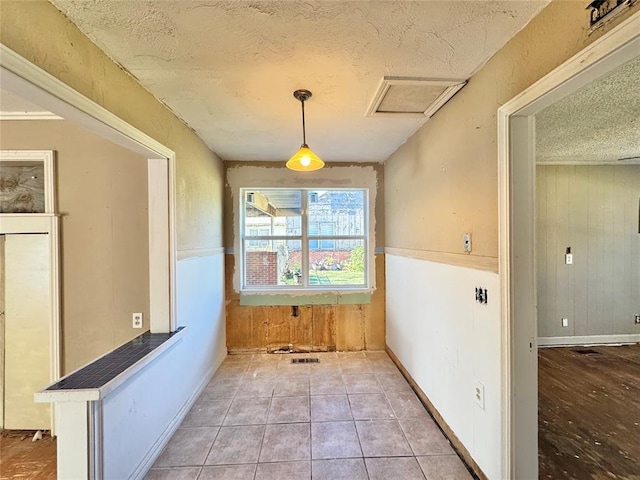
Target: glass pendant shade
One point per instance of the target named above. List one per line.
(305, 160)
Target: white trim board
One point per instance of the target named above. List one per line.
(588, 340)
(31, 82)
(29, 116)
(516, 194)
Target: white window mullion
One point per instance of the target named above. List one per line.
(305, 240)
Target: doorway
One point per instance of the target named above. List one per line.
(29, 323)
(25, 302)
(516, 139)
(588, 278)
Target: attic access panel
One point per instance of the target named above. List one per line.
(412, 96)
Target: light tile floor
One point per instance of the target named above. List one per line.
(351, 416)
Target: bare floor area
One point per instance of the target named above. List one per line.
(589, 413)
(21, 458)
(350, 416)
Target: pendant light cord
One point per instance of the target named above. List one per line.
(304, 135)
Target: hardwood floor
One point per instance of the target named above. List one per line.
(589, 413)
(20, 458)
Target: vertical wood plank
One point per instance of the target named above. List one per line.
(579, 219)
(564, 300)
(541, 250)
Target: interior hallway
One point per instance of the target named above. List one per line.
(350, 416)
(589, 413)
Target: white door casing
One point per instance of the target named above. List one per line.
(516, 173)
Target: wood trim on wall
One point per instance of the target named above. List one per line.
(451, 436)
(489, 264)
(587, 340)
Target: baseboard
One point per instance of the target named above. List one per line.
(587, 340)
(453, 439)
(155, 451)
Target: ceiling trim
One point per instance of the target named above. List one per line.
(451, 88)
(29, 116)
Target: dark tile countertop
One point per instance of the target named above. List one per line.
(105, 369)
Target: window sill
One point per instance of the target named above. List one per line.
(306, 297)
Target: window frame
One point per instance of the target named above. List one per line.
(305, 239)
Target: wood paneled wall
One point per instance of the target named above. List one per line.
(593, 210)
(316, 328)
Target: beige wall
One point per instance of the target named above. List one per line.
(102, 199)
(67, 54)
(37, 31)
(443, 181)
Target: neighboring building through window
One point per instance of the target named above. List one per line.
(304, 238)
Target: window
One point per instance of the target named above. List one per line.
(295, 239)
(324, 229)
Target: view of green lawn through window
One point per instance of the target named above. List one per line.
(296, 238)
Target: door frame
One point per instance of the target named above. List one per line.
(31, 82)
(43, 223)
(516, 191)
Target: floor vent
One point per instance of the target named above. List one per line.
(305, 360)
(587, 351)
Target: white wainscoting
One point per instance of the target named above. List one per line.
(448, 343)
(139, 418)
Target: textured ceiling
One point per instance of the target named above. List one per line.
(600, 123)
(229, 68)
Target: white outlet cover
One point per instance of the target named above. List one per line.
(478, 395)
(565, 322)
(136, 320)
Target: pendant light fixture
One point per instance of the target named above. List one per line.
(304, 160)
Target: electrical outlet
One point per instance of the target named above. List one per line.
(478, 395)
(565, 322)
(637, 321)
(136, 320)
